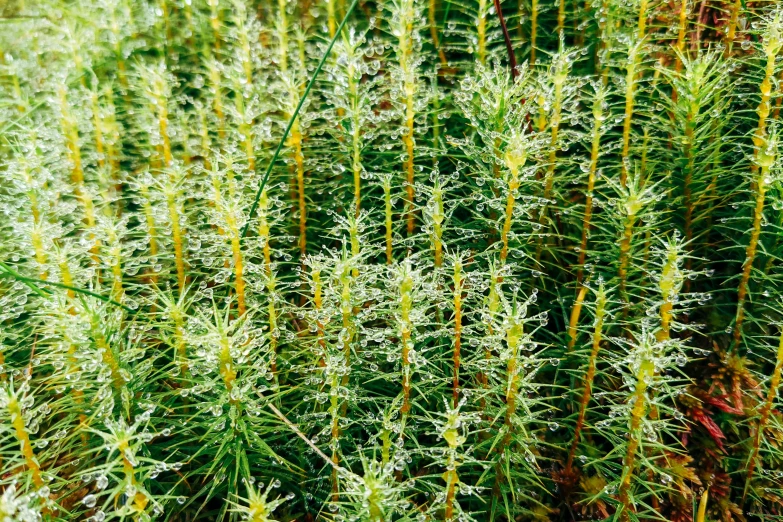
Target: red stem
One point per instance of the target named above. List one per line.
(512, 59)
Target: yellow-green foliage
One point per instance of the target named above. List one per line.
(304, 260)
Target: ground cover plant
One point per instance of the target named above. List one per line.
(390, 260)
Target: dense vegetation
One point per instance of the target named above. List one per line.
(388, 260)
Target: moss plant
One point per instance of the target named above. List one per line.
(404, 27)
(635, 48)
(634, 199)
(353, 101)
(764, 154)
(764, 418)
(559, 99)
(598, 330)
(695, 84)
(599, 116)
(16, 419)
(398, 260)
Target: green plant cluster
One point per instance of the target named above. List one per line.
(391, 260)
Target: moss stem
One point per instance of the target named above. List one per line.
(595, 151)
(766, 410)
(20, 429)
(177, 236)
(457, 279)
(638, 412)
(600, 309)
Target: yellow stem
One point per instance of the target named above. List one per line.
(482, 32)
(265, 236)
(549, 177)
(163, 125)
(282, 33)
(594, 154)
(239, 280)
(764, 108)
(140, 499)
(347, 315)
(431, 11)
(272, 315)
(357, 168)
(150, 219)
(318, 304)
(513, 185)
(513, 340)
(405, 57)
(227, 370)
(331, 19)
(561, 17)
(40, 255)
(457, 279)
(405, 308)
(214, 22)
(681, 33)
(590, 376)
(65, 274)
(625, 250)
(70, 130)
(731, 33)
(766, 410)
(355, 245)
(643, 19)
(164, 8)
(575, 312)
(668, 294)
(181, 345)
(388, 220)
(296, 140)
(334, 409)
(98, 125)
(690, 159)
(765, 159)
(217, 100)
(646, 371)
(107, 355)
(630, 85)
(179, 258)
(115, 256)
(264, 231)
(409, 144)
(17, 421)
(451, 482)
(37, 231)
